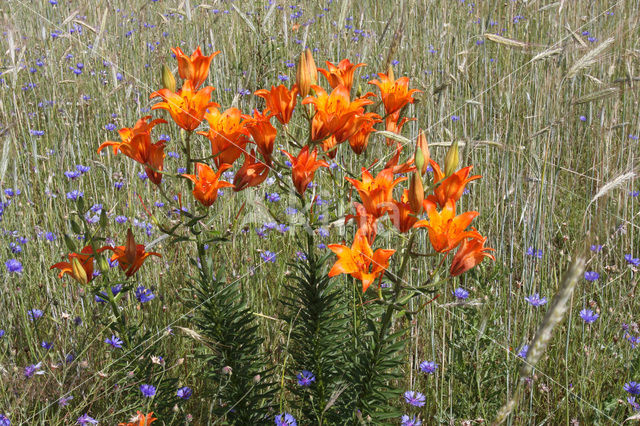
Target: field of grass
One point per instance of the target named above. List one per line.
(543, 100)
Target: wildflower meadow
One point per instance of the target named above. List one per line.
(334, 212)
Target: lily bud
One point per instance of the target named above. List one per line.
(131, 248)
(416, 193)
(422, 155)
(103, 264)
(390, 73)
(168, 80)
(452, 159)
(78, 271)
(307, 73)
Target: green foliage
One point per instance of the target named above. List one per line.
(239, 386)
(317, 316)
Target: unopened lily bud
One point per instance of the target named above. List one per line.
(452, 159)
(168, 80)
(416, 193)
(131, 248)
(422, 153)
(78, 271)
(307, 73)
(103, 264)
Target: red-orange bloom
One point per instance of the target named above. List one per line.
(262, 132)
(140, 420)
(252, 173)
(303, 168)
(376, 194)
(367, 224)
(207, 183)
(452, 187)
(360, 261)
(130, 256)
(280, 101)
(471, 252)
(360, 139)
(188, 106)
(402, 216)
(341, 74)
(194, 67)
(79, 267)
(396, 168)
(333, 112)
(227, 134)
(446, 230)
(136, 144)
(395, 93)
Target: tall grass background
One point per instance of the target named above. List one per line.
(545, 120)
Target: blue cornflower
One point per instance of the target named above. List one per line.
(142, 176)
(428, 367)
(4, 420)
(323, 233)
(268, 256)
(10, 192)
(159, 204)
(588, 316)
(632, 387)
(415, 398)
(290, 211)
(72, 174)
(283, 78)
(64, 401)
(184, 392)
(301, 256)
(632, 260)
(85, 419)
(460, 293)
(47, 345)
(285, 419)
(118, 185)
(523, 351)
(591, 275)
(634, 405)
(82, 169)
(535, 253)
(34, 314)
(171, 154)
(148, 390)
(596, 248)
(37, 132)
(455, 118)
(114, 341)
(410, 421)
(536, 300)
(2, 333)
(15, 248)
(144, 295)
(33, 369)
(114, 289)
(110, 127)
(282, 228)
(75, 194)
(273, 197)
(14, 265)
(121, 219)
(305, 378)
(583, 118)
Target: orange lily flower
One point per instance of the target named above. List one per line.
(262, 132)
(446, 230)
(136, 144)
(280, 101)
(329, 146)
(360, 261)
(471, 252)
(403, 217)
(400, 168)
(393, 123)
(376, 194)
(452, 187)
(194, 67)
(341, 74)
(207, 183)
(131, 256)
(367, 224)
(395, 93)
(79, 267)
(360, 139)
(252, 172)
(188, 106)
(140, 420)
(333, 112)
(227, 134)
(303, 168)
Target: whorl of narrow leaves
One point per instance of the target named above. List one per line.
(374, 368)
(316, 312)
(239, 385)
